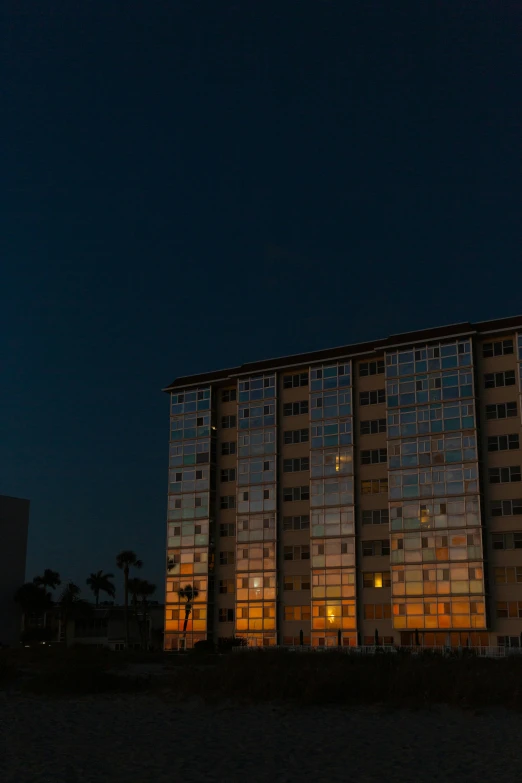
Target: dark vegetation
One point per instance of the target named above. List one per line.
(392, 680)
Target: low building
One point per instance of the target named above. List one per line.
(105, 627)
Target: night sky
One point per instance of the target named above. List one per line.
(187, 186)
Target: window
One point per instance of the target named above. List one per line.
(506, 508)
(291, 381)
(377, 612)
(296, 523)
(296, 583)
(227, 422)
(374, 486)
(508, 575)
(511, 609)
(379, 516)
(228, 395)
(295, 408)
(227, 558)
(372, 397)
(228, 501)
(227, 529)
(504, 475)
(376, 548)
(506, 540)
(503, 410)
(296, 552)
(374, 456)
(296, 493)
(373, 426)
(296, 436)
(296, 465)
(228, 447)
(297, 613)
(228, 474)
(503, 442)
(508, 641)
(498, 348)
(376, 579)
(227, 586)
(226, 615)
(494, 379)
(371, 368)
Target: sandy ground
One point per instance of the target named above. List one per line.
(142, 739)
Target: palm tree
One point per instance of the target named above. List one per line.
(189, 594)
(124, 561)
(101, 583)
(70, 604)
(146, 590)
(32, 599)
(141, 588)
(49, 579)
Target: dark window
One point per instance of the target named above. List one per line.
(379, 516)
(494, 379)
(503, 410)
(226, 586)
(504, 475)
(376, 548)
(296, 552)
(296, 465)
(506, 508)
(299, 379)
(498, 348)
(374, 456)
(227, 529)
(296, 493)
(296, 436)
(227, 422)
(228, 501)
(372, 397)
(372, 368)
(503, 442)
(228, 447)
(226, 615)
(228, 474)
(296, 523)
(227, 558)
(373, 426)
(228, 395)
(295, 408)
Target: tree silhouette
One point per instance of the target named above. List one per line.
(189, 594)
(141, 589)
(124, 561)
(101, 583)
(49, 579)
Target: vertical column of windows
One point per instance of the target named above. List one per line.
(188, 518)
(332, 506)
(436, 541)
(256, 534)
(519, 360)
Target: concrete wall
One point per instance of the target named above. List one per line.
(14, 521)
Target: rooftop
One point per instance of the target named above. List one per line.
(366, 349)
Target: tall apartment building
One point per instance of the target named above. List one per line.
(372, 490)
(14, 523)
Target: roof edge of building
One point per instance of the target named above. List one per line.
(348, 351)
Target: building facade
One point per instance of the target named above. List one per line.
(14, 523)
(368, 493)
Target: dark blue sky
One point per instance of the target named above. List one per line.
(190, 185)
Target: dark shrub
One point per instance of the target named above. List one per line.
(226, 643)
(204, 646)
